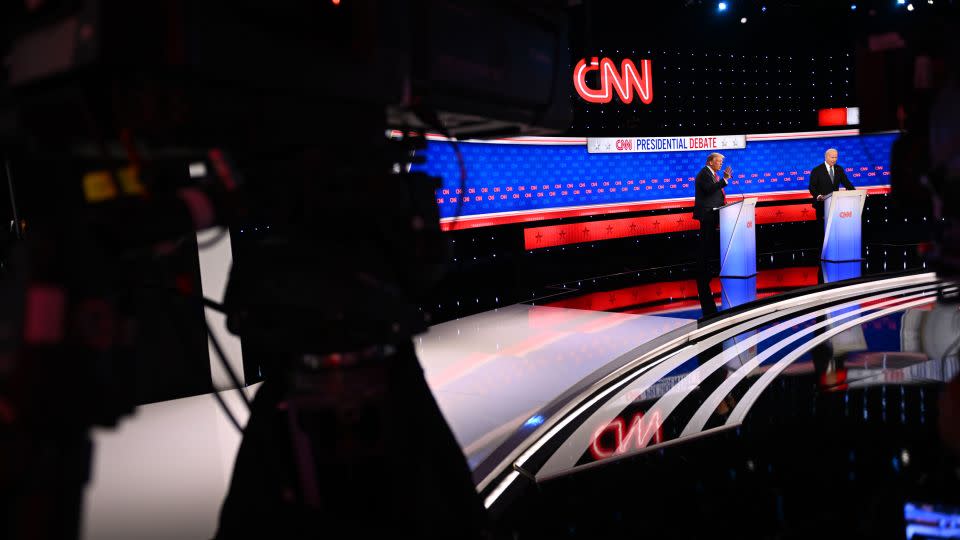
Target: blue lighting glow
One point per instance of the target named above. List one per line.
(722, 6)
(853, 7)
(534, 421)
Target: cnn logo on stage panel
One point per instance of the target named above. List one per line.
(625, 82)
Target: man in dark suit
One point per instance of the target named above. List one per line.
(708, 196)
(826, 178)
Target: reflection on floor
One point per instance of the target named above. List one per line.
(679, 298)
(707, 375)
(491, 372)
(672, 291)
(811, 417)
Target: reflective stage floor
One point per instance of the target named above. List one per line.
(809, 419)
(631, 415)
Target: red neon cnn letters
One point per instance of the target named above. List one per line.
(637, 434)
(623, 82)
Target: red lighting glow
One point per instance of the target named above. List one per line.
(610, 440)
(575, 233)
(487, 220)
(639, 295)
(623, 82)
(561, 235)
(832, 117)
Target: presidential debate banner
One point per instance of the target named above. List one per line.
(615, 145)
(532, 179)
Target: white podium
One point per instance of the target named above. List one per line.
(839, 271)
(738, 240)
(737, 291)
(842, 227)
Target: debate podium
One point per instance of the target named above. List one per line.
(839, 271)
(737, 291)
(738, 240)
(842, 225)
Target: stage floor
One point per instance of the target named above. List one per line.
(164, 471)
(817, 409)
(506, 379)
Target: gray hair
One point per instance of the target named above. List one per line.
(830, 150)
(714, 155)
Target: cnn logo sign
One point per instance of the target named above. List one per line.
(624, 82)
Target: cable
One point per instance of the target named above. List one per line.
(226, 409)
(463, 180)
(13, 199)
(94, 126)
(223, 361)
(462, 164)
(430, 118)
(216, 393)
(218, 350)
(214, 305)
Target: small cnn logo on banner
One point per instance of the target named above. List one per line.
(614, 145)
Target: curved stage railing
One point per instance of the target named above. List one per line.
(699, 379)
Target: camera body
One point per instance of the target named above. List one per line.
(104, 106)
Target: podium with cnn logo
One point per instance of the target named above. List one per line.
(842, 227)
(738, 240)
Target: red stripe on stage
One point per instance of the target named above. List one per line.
(787, 278)
(674, 295)
(470, 222)
(639, 295)
(576, 233)
(487, 220)
(680, 305)
(785, 213)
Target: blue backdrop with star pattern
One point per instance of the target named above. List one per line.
(530, 178)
